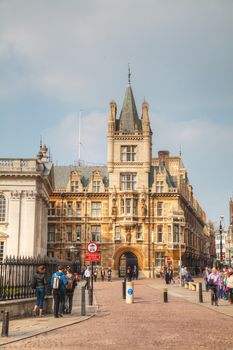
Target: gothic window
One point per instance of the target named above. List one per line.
(118, 233)
(160, 233)
(78, 209)
(78, 233)
(135, 207)
(128, 153)
(52, 208)
(69, 209)
(95, 233)
(128, 206)
(128, 182)
(69, 233)
(1, 251)
(96, 186)
(159, 208)
(176, 233)
(122, 206)
(96, 209)
(2, 208)
(74, 186)
(51, 233)
(159, 186)
(159, 259)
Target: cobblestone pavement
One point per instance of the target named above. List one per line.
(149, 323)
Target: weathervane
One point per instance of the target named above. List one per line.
(129, 74)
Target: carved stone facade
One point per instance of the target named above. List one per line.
(141, 210)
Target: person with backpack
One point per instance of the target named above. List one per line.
(58, 286)
(71, 284)
(39, 283)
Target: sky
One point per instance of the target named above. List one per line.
(62, 62)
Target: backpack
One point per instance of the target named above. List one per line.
(56, 281)
(70, 282)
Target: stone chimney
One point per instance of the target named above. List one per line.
(164, 159)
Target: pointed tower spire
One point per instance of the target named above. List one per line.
(129, 120)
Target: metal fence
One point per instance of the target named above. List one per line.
(16, 274)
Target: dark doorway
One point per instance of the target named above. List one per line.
(127, 259)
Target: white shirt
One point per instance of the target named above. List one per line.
(87, 273)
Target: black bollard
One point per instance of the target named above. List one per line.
(83, 302)
(165, 295)
(5, 324)
(124, 289)
(200, 293)
(90, 295)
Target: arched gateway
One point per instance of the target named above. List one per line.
(127, 259)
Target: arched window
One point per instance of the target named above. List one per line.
(2, 208)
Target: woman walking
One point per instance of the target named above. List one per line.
(39, 283)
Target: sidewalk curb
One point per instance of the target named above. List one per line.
(8, 340)
(204, 304)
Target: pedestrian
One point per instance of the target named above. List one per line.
(229, 286)
(95, 274)
(205, 276)
(220, 287)
(87, 276)
(213, 281)
(129, 273)
(109, 274)
(135, 272)
(39, 283)
(69, 292)
(58, 286)
(102, 271)
(82, 272)
(168, 275)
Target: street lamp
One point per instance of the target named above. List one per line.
(220, 234)
(180, 255)
(229, 250)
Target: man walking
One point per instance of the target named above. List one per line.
(213, 281)
(87, 276)
(58, 286)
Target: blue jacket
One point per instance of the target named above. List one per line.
(63, 280)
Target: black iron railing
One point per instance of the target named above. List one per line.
(16, 275)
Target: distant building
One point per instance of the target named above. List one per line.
(140, 210)
(25, 186)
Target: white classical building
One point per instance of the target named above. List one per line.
(25, 186)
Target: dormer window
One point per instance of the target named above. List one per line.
(128, 153)
(159, 186)
(74, 186)
(96, 186)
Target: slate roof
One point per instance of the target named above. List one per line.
(62, 173)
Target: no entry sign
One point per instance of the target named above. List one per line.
(92, 247)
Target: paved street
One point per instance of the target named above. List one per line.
(147, 324)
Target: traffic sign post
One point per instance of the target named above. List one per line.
(92, 256)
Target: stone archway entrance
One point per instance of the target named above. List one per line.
(127, 259)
